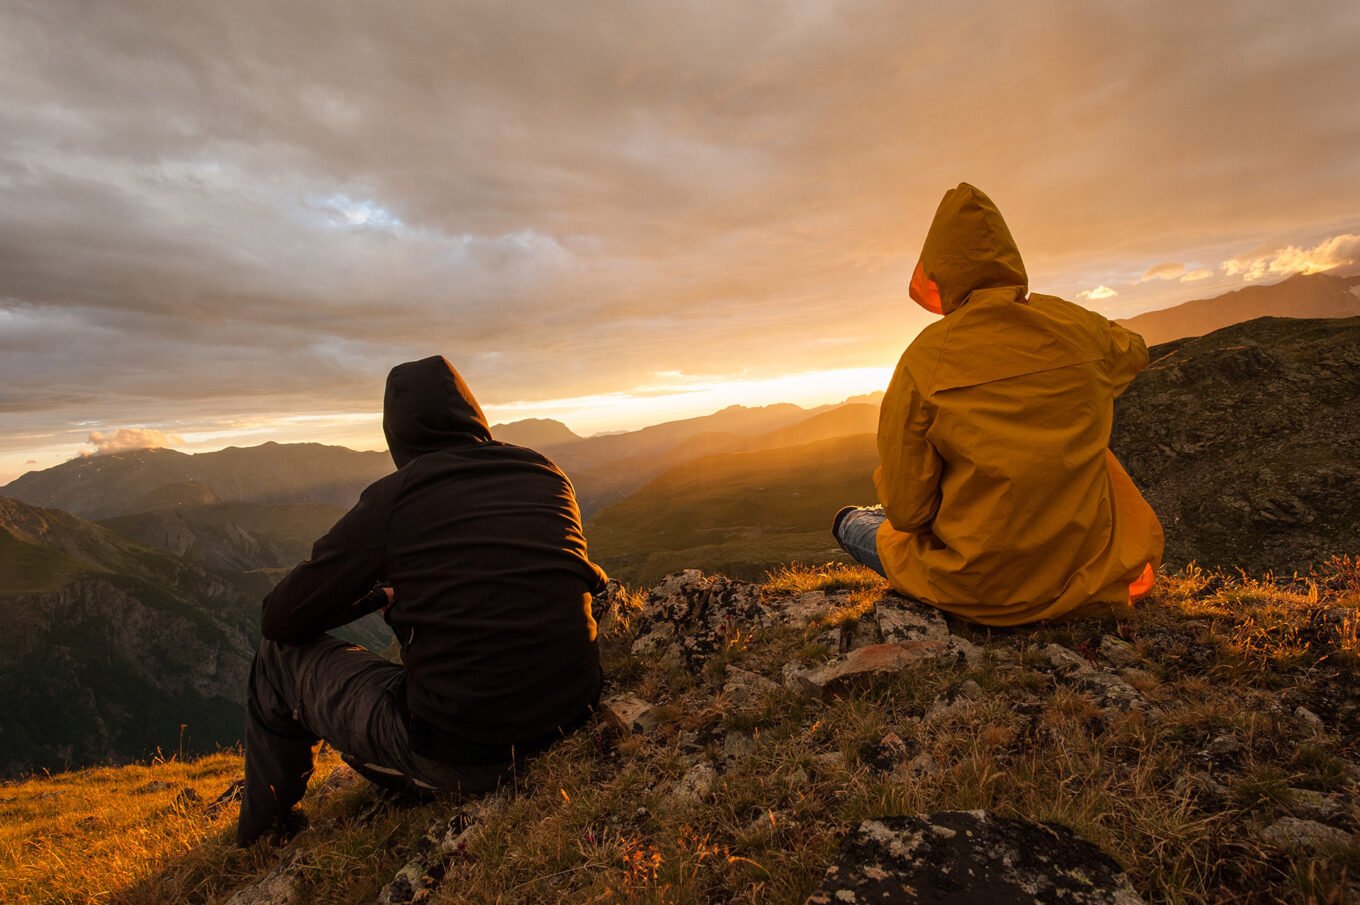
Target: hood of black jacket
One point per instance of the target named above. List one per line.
(427, 408)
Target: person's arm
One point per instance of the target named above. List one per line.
(908, 476)
(1125, 356)
(339, 582)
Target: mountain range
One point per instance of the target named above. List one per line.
(1302, 295)
(132, 581)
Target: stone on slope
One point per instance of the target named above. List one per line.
(419, 877)
(743, 689)
(970, 857)
(1110, 691)
(867, 663)
(1293, 832)
(689, 617)
(281, 886)
(630, 713)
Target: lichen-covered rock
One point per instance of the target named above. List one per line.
(419, 877)
(1111, 692)
(806, 607)
(902, 619)
(691, 617)
(970, 858)
(698, 783)
(744, 689)
(1293, 833)
(954, 700)
(281, 886)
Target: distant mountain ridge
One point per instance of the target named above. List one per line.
(1300, 296)
(98, 487)
(534, 433)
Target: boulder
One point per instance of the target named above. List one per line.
(971, 857)
(901, 619)
(689, 617)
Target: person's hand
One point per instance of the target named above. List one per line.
(391, 596)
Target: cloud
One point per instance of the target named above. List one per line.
(126, 439)
(1326, 255)
(1168, 271)
(1096, 294)
(211, 211)
(1197, 275)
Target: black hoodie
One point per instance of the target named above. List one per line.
(482, 543)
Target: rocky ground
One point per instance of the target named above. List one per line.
(819, 739)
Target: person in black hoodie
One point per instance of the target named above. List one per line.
(474, 551)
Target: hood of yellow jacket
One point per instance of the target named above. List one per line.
(969, 248)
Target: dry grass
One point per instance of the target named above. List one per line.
(597, 818)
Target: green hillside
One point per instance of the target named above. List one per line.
(740, 513)
(27, 567)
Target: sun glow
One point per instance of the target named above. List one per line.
(679, 396)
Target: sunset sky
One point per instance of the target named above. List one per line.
(221, 223)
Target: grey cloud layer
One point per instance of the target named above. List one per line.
(209, 207)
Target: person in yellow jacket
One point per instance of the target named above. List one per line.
(1000, 499)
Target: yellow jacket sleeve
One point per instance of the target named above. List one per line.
(908, 476)
(1125, 356)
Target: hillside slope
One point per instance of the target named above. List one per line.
(110, 646)
(1208, 741)
(1247, 443)
(232, 536)
(1302, 295)
(737, 512)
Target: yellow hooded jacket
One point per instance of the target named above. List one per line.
(1004, 503)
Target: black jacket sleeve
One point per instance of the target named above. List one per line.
(335, 585)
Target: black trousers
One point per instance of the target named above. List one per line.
(330, 689)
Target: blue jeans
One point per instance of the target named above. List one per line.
(856, 530)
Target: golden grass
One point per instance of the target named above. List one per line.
(597, 818)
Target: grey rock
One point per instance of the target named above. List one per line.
(698, 783)
(1295, 833)
(1314, 805)
(807, 607)
(970, 857)
(281, 886)
(1110, 691)
(1118, 652)
(955, 699)
(416, 881)
(1223, 745)
(339, 779)
(902, 619)
(693, 616)
(1065, 661)
(631, 714)
(877, 660)
(744, 689)
(1308, 717)
(737, 745)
